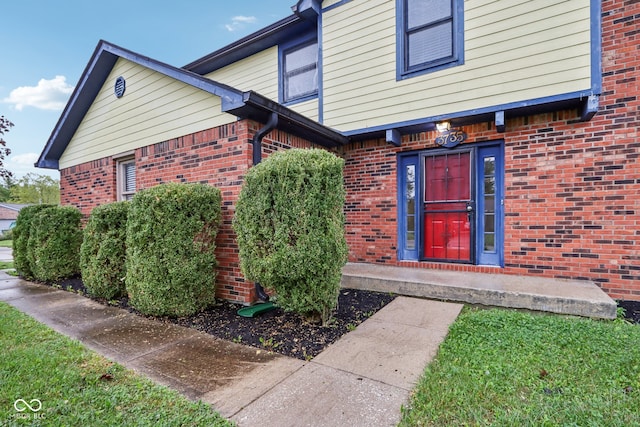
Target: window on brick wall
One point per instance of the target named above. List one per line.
(126, 178)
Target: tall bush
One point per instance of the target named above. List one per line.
(170, 263)
(290, 226)
(54, 243)
(103, 250)
(21, 233)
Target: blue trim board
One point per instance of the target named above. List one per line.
(320, 71)
(460, 118)
(333, 6)
(596, 46)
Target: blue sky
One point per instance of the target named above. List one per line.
(46, 46)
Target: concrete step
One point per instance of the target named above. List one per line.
(576, 297)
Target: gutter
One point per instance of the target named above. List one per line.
(260, 108)
(257, 158)
(262, 132)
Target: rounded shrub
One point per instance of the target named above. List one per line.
(170, 262)
(54, 243)
(21, 233)
(290, 225)
(103, 251)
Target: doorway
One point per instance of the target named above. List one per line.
(451, 205)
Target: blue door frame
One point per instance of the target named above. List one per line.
(487, 216)
(489, 230)
(408, 199)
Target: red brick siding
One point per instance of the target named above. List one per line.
(220, 157)
(88, 185)
(572, 189)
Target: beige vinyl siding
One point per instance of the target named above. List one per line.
(515, 50)
(258, 73)
(306, 108)
(328, 3)
(154, 108)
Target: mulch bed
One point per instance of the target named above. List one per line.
(287, 333)
(631, 310)
(278, 331)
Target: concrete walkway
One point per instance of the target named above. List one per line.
(6, 254)
(361, 380)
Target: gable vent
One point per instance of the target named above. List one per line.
(120, 87)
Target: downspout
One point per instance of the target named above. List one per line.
(257, 158)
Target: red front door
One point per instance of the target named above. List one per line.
(447, 198)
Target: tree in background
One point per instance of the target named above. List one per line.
(35, 189)
(5, 188)
(5, 126)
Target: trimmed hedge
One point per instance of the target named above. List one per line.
(21, 233)
(54, 243)
(171, 232)
(290, 225)
(103, 251)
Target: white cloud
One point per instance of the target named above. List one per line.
(238, 22)
(25, 159)
(47, 95)
(22, 164)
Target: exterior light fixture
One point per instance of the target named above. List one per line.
(443, 126)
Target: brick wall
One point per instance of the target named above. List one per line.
(220, 157)
(572, 189)
(88, 185)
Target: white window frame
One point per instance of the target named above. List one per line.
(122, 163)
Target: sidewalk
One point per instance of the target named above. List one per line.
(6, 254)
(361, 380)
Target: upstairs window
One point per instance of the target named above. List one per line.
(430, 37)
(300, 72)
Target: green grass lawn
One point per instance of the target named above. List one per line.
(6, 243)
(509, 368)
(77, 387)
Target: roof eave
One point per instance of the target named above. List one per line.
(251, 44)
(91, 82)
(259, 108)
